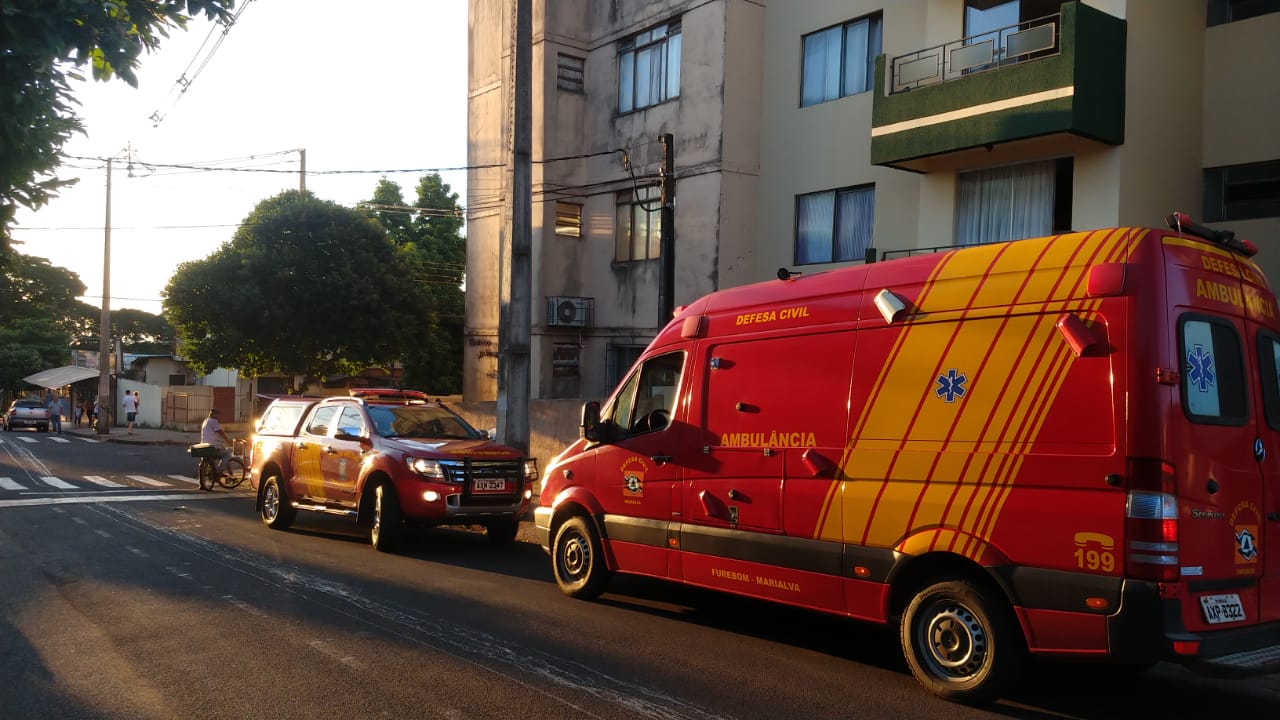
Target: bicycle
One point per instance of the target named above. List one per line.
(207, 466)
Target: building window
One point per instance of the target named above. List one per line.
(1014, 202)
(570, 73)
(639, 225)
(1242, 192)
(649, 68)
(1225, 11)
(620, 358)
(564, 359)
(569, 219)
(986, 16)
(834, 226)
(839, 61)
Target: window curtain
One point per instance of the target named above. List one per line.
(857, 215)
(1009, 203)
(821, 80)
(856, 37)
(815, 218)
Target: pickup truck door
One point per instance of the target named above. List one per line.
(340, 456)
(308, 481)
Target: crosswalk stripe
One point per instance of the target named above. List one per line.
(88, 440)
(28, 440)
(148, 481)
(99, 480)
(185, 479)
(55, 482)
(60, 439)
(9, 484)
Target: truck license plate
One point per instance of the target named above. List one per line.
(488, 485)
(1222, 608)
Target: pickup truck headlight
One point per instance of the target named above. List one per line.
(427, 468)
(531, 470)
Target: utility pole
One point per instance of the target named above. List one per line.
(515, 258)
(302, 171)
(104, 323)
(667, 240)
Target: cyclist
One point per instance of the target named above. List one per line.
(211, 432)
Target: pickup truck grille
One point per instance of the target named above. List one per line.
(468, 472)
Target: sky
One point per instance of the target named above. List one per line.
(378, 85)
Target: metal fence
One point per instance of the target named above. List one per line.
(1028, 40)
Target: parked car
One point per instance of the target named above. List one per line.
(388, 459)
(27, 413)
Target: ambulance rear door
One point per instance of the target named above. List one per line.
(1211, 434)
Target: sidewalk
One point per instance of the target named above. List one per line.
(140, 436)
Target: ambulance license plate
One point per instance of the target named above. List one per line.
(488, 485)
(1222, 608)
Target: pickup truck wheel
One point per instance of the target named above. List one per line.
(961, 642)
(388, 522)
(503, 532)
(578, 560)
(276, 511)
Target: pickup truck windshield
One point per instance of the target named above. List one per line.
(420, 421)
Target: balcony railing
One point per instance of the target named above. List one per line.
(1029, 40)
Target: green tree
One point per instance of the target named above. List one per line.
(42, 44)
(141, 332)
(304, 287)
(39, 316)
(431, 239)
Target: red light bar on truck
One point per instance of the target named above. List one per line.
(1183, 223)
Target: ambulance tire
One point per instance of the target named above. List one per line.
(962, 642)
(578, 560)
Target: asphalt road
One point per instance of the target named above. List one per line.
(154, 600)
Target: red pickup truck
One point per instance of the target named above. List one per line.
(388, 459)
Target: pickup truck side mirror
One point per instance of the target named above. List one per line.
(348, 434)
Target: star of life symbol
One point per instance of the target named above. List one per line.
(951, 385)
(1248, 550)
(1200, 372)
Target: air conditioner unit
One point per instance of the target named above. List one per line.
(565, 311)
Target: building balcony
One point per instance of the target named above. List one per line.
(1057, 81)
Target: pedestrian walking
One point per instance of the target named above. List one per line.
(130, 403)
(55, 412)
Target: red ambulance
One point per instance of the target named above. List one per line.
(1065, 447)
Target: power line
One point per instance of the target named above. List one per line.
(183, 83)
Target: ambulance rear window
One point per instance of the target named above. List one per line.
(1269, 367)
(1213, 388)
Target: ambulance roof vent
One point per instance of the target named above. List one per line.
(889, 305)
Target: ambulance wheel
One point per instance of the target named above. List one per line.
(962, 642)
(578, 560)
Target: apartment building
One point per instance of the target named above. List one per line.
(810, 134)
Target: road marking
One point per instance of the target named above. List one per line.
(148, 481)
(9, 484)
(28, 440)
(60, 484)
(98, 498)
(88, 440)
(99, 480)
(60, 439)
(185, 479)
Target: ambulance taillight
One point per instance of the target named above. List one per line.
(1151, 521)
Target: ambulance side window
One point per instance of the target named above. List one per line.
(648, 398)
(1269, 367)
(1213, 389)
